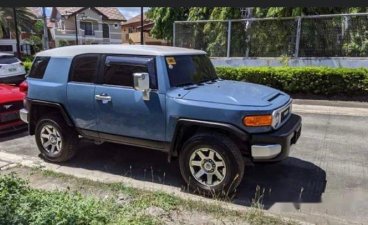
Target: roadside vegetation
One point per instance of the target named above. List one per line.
(100, 203)
(324, 81)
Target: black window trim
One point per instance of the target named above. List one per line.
(95, 77)
(102, 65)
(33, 67)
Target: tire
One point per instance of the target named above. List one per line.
(222, 170)
(56, 141)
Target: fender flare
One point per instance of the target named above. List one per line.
(58, 106)
(182, 123)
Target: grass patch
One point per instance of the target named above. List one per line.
(24, 205)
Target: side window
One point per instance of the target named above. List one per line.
(84, 68)
(39, 67)
(122, 74)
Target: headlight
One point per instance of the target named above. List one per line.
(258, 121)
(276, 119)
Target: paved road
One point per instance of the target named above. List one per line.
(325, 180)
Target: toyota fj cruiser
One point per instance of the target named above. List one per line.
(164, 98)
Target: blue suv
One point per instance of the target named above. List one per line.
(163, 98)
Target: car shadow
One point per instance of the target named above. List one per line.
(14, 135)
(292, 180)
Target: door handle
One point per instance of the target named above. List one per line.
(104, 98)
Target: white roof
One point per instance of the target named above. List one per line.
(156, 50)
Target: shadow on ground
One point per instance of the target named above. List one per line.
(13, 135)
(292, 180)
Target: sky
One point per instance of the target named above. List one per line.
(128, 12)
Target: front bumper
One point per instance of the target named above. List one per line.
(275, 146)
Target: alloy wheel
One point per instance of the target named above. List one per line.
(207, 166)
(51, 139)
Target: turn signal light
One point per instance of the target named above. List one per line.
(258, 121)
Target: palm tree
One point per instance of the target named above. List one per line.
(24, 16)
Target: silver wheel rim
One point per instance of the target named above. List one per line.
(207, 166)
(51, 139)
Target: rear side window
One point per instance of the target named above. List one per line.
(39, 67)
(84, 68)
(122, 74)
(8, 59)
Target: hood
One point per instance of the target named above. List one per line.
(234, 93)
(10, 93)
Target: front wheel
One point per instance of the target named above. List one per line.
(211, 163)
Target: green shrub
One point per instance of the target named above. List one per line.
(307, 80)
(22, 205)
(27, 65)
(28, 58)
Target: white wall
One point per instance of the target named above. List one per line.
(352, 62)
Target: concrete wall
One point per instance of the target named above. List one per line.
(310, 61)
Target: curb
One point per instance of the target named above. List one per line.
(330, 110)
(98, 176)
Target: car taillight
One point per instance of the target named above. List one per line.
(23, 87)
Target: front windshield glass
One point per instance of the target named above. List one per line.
(189, 69)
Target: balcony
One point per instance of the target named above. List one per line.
(89, 36)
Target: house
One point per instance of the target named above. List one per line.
(8, 43)
(87, 25)
(131, 32)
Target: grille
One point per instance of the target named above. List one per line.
(9, 112)
(282, 114)
(11, 106)
(285, 114)
(9, 117)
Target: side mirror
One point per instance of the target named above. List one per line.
(141, 83)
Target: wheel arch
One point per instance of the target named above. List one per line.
(39, 108)
(185, 128)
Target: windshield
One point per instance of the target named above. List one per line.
(8, 59)
(189, 69)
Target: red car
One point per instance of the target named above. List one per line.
(11, 101)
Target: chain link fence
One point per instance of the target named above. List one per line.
(340, 35)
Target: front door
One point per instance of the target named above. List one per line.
(120, 108)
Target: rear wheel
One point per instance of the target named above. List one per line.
(56, 141)
(211, 163)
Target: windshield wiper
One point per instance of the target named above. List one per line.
(209, 81)
(185, 84)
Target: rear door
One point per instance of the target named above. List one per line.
(124, 112)
(81, 89)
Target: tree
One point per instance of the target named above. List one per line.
(24, 16)
(164, 18)
(36, 37)
(216, 32)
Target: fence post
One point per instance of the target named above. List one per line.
(298, 33)
(174, 33)
(228, 38)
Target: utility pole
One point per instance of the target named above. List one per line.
(142, 42)
(76, 29)
(76, 25)
(45, 33)
(16, 32)
(247, 13)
